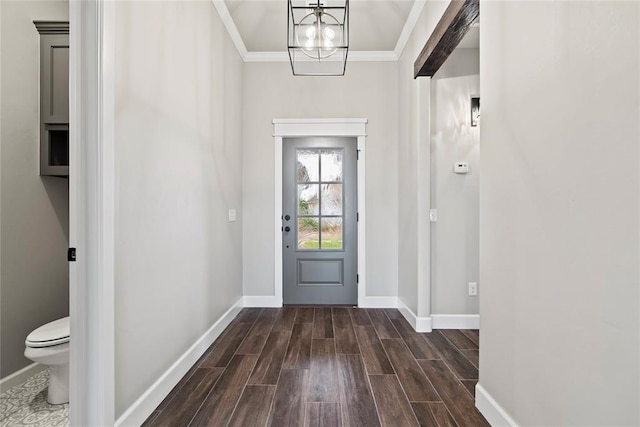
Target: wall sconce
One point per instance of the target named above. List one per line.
(475, 111)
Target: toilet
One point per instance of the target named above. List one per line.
(49, 345)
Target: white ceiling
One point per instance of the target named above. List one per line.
(379, 29)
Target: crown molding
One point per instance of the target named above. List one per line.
(409, 25)
(354, 56)
(227, 20)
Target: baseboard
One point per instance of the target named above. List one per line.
(378, 302)
(419, 324)
(20, 376)
(490, 409)
(150, 399)
(455, 321)
(262, 301)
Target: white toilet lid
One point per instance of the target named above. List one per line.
(53, 333)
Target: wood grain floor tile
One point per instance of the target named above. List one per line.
(346, 342)
(299, 349)
(289, 402)
(257, 336)
(473, 356)
(358, 407)
(460, 340)
(413, 380)
(393, 407)
(285, 319)
(221, 401)
(305, 315)
(473, 335)
(323, 323)
(454, 358)
(454, 395)
(470, 385)
(340, 311)
(420, 348)
(360, 317)
(383, 325)
(433, 414)
(149, 421)
(181, 410)
(176, 390)
(393, 314)
(253, 406)
(269, 363)
(323, 414)
(323, 375)
(249, 315)
(374, 356)
(224, 350)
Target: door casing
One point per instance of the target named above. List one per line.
(318, 127)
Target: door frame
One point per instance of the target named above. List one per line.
(285, 128)
(91, 212)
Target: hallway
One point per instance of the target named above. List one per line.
(328, 366)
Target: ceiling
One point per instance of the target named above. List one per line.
(378, 28)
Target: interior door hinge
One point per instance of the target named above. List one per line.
(71, 254)
(357, 278)
(357, 154)
(357, 216)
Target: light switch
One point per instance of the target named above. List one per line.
(232, 215)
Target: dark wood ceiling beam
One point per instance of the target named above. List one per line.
(454, 24)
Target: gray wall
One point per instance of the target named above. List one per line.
(34, 222)
(454, 238)
(367, 90)
(178, 262)
(560, 211)
(413, 153)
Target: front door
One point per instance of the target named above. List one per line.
(319, 220)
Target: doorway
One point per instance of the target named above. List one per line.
(319, 221)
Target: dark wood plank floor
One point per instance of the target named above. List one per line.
(328, 366)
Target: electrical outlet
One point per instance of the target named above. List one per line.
(473, 289)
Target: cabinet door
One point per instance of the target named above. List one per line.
(54, 79)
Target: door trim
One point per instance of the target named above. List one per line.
(283, 128)
(91, 212)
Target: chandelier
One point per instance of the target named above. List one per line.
(318, 37)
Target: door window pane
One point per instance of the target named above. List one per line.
(331, 165)
(331, 233)
(308, 199)
(308, 233)
(308, 164)
(331, 199)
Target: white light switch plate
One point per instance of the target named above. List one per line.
(232, 215)
(461, 167)
(473, 289)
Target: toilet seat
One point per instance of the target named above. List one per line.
(49, 335)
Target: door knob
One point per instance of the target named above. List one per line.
(287, 229)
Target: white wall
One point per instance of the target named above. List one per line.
(454, 238)
(414, 171)
(559, 211)
(178, 170)
(35, 210)
(367, 90)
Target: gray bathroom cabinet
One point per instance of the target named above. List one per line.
(54, 97)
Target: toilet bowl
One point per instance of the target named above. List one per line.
(49, 345)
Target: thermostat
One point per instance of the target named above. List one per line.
(461, 167)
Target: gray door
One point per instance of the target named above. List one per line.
(319, 220)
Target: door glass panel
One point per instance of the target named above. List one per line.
(308, 233)
(331, 165)
(308, 165)
(331, 199)
(331, 233)
(308, 199)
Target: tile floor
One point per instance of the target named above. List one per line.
(26, 405)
